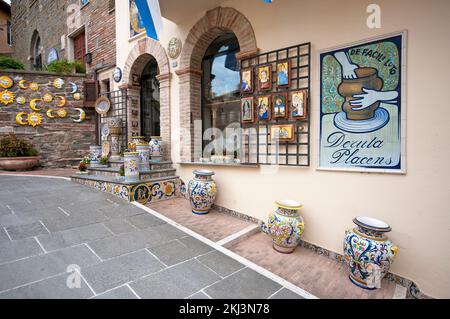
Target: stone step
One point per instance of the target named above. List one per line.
(153, 165)
(114, 172)
(143, 191)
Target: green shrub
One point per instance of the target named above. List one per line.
(104, 160)
(65, 67)
(11, 146)
(10, 63)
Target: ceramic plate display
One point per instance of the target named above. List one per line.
(81, 117)
(34, 86)
(74, 87)
(22, 85)
(21, 100)
(6, 82)
(58, 83)
(6, 97)
(77, 96)
(20, 120)
(102, 105)
(33, 104)
(61, 113)
(34, 119)
(47, 98)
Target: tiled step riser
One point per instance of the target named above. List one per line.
(142, 175)
(148, 192)
(152, 166)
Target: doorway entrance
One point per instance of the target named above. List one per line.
(79, 45)
(150, 101)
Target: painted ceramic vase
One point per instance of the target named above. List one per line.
(114, 125)
(155, 148)
(95, 153)
(144, 156)
(285, 226)
(202, 191)
(366, 78)
(368, 252)
(134, 141)
(131, 166)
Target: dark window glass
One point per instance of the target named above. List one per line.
(220, 84)
(150, 108)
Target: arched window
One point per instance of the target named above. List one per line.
(150, 106)
(36, 51)
(220, 84)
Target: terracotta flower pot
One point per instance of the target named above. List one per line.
(19, 163)
(367, 78)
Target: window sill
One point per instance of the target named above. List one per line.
(218, 164)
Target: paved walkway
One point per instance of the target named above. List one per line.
(52, 230)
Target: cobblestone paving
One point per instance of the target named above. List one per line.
(52, 230)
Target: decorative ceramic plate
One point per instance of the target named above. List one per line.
(47, 98)
(34, 86)
(81, 117)
(22, 85)
(33, 104)
(34, 119)
(62, 101)
(6, 97)
(50, 113)
(6, 82)
(380, 119)
(61, 113)
(20, 120)
(21, 100)
(77, 96)
(58, 83)
(102, 105)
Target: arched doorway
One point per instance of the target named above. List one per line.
(215, 23)
(150, 101)
(147, 79)
(36, 50)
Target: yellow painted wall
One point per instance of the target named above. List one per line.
(415, 204)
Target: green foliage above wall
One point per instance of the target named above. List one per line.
(8, 63)
(65, 67)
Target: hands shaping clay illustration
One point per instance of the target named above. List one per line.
(362, 89)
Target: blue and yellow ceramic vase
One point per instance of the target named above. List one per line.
(131, 166)
(368, 252)
(285, 226)
(95, 153)
(202, 191)
(155, 146)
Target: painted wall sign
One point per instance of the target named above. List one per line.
(362, 106)
(136, 23)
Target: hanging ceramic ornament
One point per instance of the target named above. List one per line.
(6, 97)
(50, 113)
(47, 98)
(22, 85)
(62, 101)
(33, 104)
(74, 87)
(61, 113)
(58, 83)
(21, 100)
(34, 119)
(34, 86)
(77, 96)
(81, 117)
(6, 82)
(20, 120)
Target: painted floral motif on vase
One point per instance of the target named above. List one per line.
(202, 191)
(131, 166)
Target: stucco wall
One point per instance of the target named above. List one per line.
(413, 204)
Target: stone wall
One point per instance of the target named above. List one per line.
(49, 18)
(60, 141)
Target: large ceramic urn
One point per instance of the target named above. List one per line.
(285, 226)
(155, 145)
(202, 191)
(115, 129)
(95, 154)
(366, 78)
(131, 166)
(144, 156)
(134, 141)
(368, 252)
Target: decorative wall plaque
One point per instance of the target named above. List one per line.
(117, 75)
(174, 48)
(102, 105)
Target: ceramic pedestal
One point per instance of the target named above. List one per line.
(144, 156)
(115, 129)
(368, 252)
(95, 153)
(285, 226)
(155, 148)
(202, 191)
(131, 166)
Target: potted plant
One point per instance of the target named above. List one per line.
(83, 166)
(17, 154)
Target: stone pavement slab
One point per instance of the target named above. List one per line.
(119, 226)
(17, 249)
(26, 230)
(243, 284)
(123, 292)
(285, 294)
(172, 253)
(220, 263)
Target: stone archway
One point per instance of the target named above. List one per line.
(145, 50)
(215, 22)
